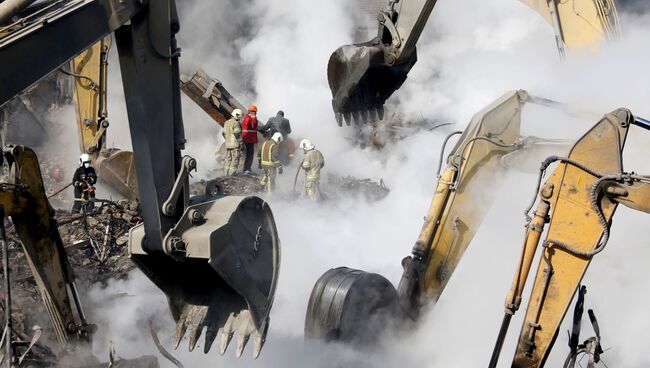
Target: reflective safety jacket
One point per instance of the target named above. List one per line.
(312, 164)
(268, 155)
(232, 133)
(249, 129)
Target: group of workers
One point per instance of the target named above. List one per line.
(240, 133)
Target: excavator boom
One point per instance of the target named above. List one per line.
(578, 201)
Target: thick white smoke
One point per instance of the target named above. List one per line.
(470, 53)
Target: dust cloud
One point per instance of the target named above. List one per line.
(470, 53)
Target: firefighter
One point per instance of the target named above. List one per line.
(312, 164)
(249, 136)
(269, 161)
(83, 180)
(234, 143)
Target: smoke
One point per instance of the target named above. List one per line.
(275, 55)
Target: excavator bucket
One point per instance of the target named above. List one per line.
(361, 78)
(117, 169)
(220, 271)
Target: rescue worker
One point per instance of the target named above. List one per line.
(278, 123)
(234, 143)
(269, 161)
(249, 136)
(312, 164)
(83, 180)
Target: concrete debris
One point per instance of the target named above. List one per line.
(335, 187)
(393, 127)
(367, 188)
(238, 184)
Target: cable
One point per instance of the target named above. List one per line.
(442, 150)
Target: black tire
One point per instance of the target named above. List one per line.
(351, 306)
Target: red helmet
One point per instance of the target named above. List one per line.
(252, 108)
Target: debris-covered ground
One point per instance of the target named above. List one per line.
(96, 247)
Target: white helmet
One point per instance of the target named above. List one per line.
(277, 137)
(306, 145)
(237, 114)
(83, 159)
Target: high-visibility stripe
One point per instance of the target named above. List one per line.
(249, 131)
(267, 149)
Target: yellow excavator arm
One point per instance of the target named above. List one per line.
(115, 167)
(578, 201)
(579, 23)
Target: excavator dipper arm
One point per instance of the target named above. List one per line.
(581, 197)
(217, 261)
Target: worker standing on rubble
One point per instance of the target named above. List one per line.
(278, 123)
(234, 143)
(312, 164)
(83, 180)
(249, 136)
(269, 161)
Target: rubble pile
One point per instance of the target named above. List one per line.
(238, 184)
(96, 246)
(351, 186)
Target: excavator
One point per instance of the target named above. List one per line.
(216, 260)
(363, 76)
(347, 304)
(575, 206)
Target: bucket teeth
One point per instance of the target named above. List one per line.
(372, 115)
(364, 116)
(196, 318)
(348, 118)
(211, 331)
(181, 327)
(339, 119)
(380, 112)
(226, 334)
(242, 339)
(260, 339)
(196, 326)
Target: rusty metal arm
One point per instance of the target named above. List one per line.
(211, 96)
